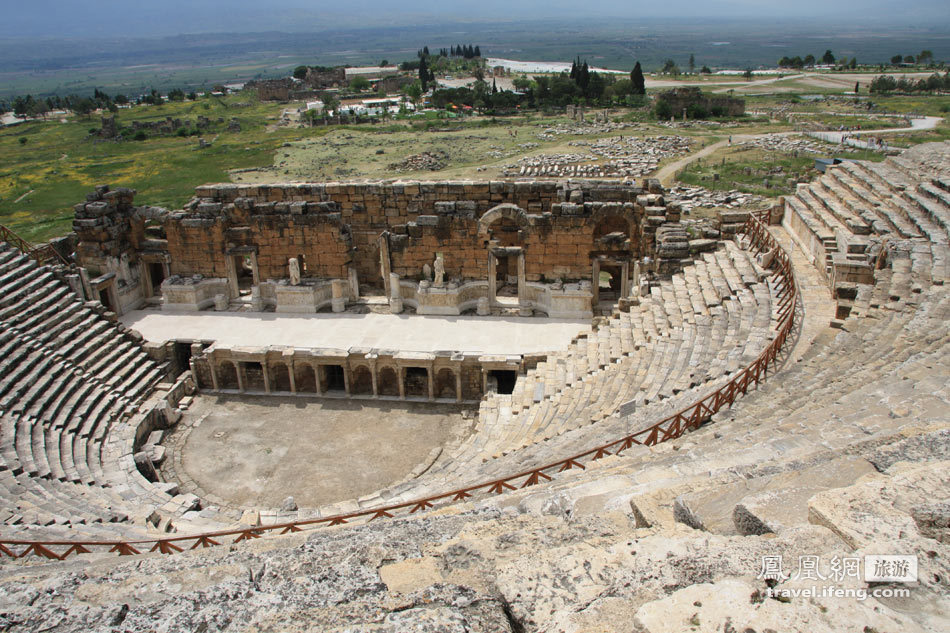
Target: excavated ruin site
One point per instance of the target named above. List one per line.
(514, 405)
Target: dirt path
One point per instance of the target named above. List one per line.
(668, 173)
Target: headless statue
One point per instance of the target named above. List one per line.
(439, 268)
(294, 269)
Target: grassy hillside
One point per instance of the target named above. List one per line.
(45, 167)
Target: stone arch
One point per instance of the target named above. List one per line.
(305, 378)
(361, 382)
(281, 376)
(388, 383)
(445, 383)
(227, 375)
(611, 221)
(507, 211)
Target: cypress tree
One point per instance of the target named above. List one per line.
(636, 78)
(423, 73)
(478, 51)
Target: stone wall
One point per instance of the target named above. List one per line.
(335, 225)
(318, 77)
(272, 89)
(363, 231)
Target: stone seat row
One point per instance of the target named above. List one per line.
(876, 383)
(897, 200)
(67, 375)
(670, 364)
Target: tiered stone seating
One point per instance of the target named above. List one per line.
(903, 200)
(687, 336)
(67, 376)
(880, 381)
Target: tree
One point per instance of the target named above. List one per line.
(747, 74)
(300, 72)
(857, 87)
(809, 60)
(423, 74)
(494, 87)
(925, 57)
(478, 51)
(359, 84)
(854, 63)
(909, 59)
(828, 58)
(670, 68)
(384, 63)
(636, 78)
(521, 83)
(663, 109)
(692, 63)
(331, 103)
(192, 96)
(897, 59)
(705, 70)
(176, 95)
(414, 91)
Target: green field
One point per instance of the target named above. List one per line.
(749, 169)
(46, 167)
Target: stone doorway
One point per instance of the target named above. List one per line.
(610, 279)
(333, 378)
(503, 381)
(417, 382)
(242, 271)
(506, 279)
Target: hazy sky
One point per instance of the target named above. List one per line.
(117, 18)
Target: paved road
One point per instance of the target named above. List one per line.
(916, 125)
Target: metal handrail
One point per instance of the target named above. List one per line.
(41, 252)
(671, 427)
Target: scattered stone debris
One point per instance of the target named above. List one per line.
(426, 161)
(630, 157)
(793, 145)
(581, 128)
(691, 198)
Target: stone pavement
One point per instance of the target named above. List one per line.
(488, 335)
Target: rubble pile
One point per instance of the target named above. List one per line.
(630, 157)
(578, 128)
(426, 161)
(792, 145)
(691, 198)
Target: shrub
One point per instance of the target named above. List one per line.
(140, 136)
(663, 109)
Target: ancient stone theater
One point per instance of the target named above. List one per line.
(519, 405)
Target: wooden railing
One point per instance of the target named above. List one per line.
(672, 427)
(42, 253)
